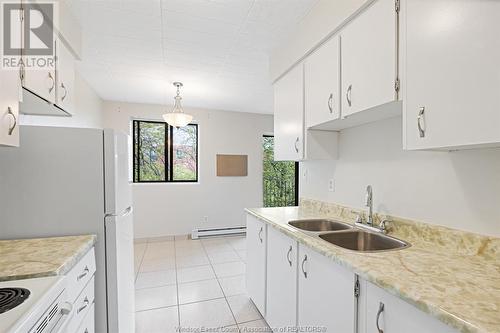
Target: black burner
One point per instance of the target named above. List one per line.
(12, 297)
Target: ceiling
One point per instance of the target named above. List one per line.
(134, 49)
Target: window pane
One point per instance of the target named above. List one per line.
(280, 187)
(152, 151)
(185, 151)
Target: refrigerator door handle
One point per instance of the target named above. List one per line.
(126, 212)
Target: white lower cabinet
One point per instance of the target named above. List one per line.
(383, 312)
(256, 262)
(325, 293)
(281, 303)
(294, 286)
(88, 324)
(80, 290)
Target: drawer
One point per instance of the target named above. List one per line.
(80, 275)
(88, 324)
(81, 306)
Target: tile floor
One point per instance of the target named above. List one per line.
(193, 284)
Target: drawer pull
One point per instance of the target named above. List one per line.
(288, 256)
(84, 306)
(260, 233)
(380, 310)
(86, 330)
(84, 274)
(303, 262)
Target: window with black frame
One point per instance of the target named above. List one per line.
(162, 153)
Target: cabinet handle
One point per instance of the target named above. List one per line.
(85, 304)
(260, 234)
(420, 121)
(295, 145)
(65, 92)
(22, 74)
(53, 83)
(303, 262)
(288, 256)
(330, 103)
(13, 126)
(380, 310)
(348, 95)
(84, 274)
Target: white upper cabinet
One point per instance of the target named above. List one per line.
(369, 58)
(322, 84)
(9, 107)
(256, 262)
(65, 72)
(281, 303)
(292, 141)
(40, 81)
(289, 116)
(389, 314)
(326, 293)
(451, 84)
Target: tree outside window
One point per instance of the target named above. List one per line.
(163, 153)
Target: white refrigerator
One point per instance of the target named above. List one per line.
(69, 181)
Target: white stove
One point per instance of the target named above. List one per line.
(36, 305)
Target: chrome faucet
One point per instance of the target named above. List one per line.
(369, 204)
(368, 224)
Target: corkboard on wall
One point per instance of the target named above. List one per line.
(232, 165)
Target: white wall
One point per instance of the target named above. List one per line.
(175, 209)
(456, 189)
(88, 110)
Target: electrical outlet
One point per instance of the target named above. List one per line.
(331, 185)
(204, 219)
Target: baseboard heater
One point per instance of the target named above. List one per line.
(214, 232)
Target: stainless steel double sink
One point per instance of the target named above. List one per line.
(348, 236)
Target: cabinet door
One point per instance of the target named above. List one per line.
(289, 116)
(65, 70)
(326, 293)
(281, 303)
(452, 77)
(41, 81)
(9, 107)
(369, 58)
(322, 84)
(256, 262)
(397, 316)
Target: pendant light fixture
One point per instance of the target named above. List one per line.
(177, 117)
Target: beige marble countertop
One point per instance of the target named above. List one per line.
(39, 257)
(452, 277)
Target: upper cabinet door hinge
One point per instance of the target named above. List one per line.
(397, 85)
(356, 288)
(398, 6)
